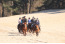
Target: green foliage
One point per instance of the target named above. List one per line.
(28, 6)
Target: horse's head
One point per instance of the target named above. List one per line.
(25, 23)
(37, 27)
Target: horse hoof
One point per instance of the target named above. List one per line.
(36, 34)
(24, 34)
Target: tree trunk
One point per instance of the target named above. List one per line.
(11, 9)
(28, 7)
(0, 8)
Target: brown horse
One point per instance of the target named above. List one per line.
(36, 29)
(22, 28)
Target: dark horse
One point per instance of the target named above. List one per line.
(22, 28)
(19, 27)
(35, 29)
(29, 27)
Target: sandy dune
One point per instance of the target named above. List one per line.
(52, 24)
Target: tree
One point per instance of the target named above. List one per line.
(13, 7)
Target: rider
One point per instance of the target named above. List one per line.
(37, 22)
(19, 21)
(29, 21)
(24, 19)
(32, 21)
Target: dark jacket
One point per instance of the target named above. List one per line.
(32, 20)
(37, 22)
(24, 20)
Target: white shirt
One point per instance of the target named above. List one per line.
(19, 21)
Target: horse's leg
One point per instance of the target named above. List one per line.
(24, 32)
(36, 33)
(19, 30)
(27, 29)
(30, 30)
(33, 31)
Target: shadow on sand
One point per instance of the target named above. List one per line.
(14, 34)
(19, 34)
(52, 11)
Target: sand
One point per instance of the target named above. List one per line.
(52, 24)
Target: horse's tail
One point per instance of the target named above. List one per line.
(18, 26)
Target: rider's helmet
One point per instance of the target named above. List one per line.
(33, 17)
(29, 18)
(24, 16)
(19, 18)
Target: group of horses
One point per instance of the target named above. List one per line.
(24, 28)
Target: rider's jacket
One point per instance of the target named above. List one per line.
(32, 20)
(37, 22)
(19, 21)
(24, 20)
(29, 21)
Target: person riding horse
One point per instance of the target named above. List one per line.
(37, 22)
(29, 21)
(19, 25)
(19, 21)
(24, 20)
(22, 26)
(32, 21)
(35, 26)
(29, 25)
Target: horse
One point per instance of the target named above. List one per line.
(29, 27)
(36, 29)
(19, 27)
(23, 28)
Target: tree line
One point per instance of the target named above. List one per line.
(13, 7)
